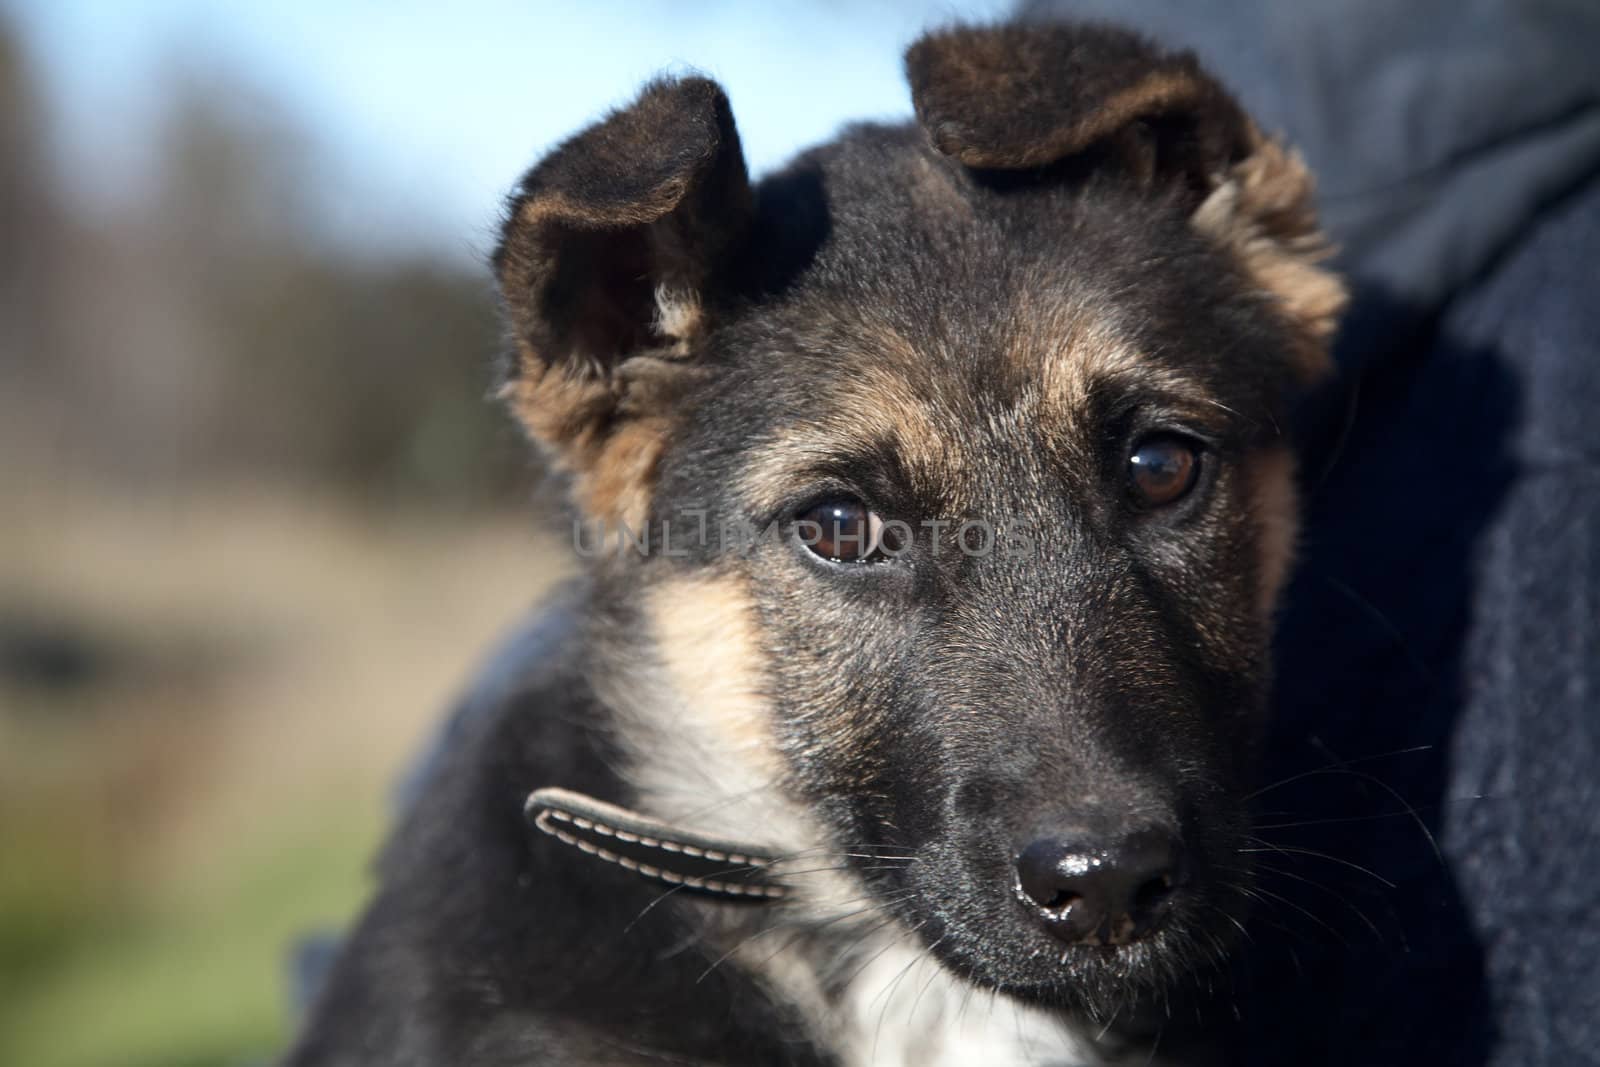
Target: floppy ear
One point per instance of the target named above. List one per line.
(610, 266)
(1029, 96)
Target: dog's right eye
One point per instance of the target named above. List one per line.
(843, 530)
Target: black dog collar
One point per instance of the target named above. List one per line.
(652, 848)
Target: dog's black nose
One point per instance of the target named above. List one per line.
(1101, 893)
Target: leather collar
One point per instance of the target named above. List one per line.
(654, 849)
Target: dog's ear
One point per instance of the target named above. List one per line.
(1023, 97)
(611, 264)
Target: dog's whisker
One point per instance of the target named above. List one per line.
(800, 930)
(728, 799)
(1306, 912)
(1237, 925)
(836, 868)
(1405, 804)
(1373, 612)
(1348, 819)
(1295, 850)
(651, 906)
(886, 994)
(1335, 765)
(1262, 913)
(722, 873)
(1155, 1046)
(1236, 413)
(1110, 1022)
(966, 999)
(912, 1015)
(870, 960)
(1340, 897)
(804, 927)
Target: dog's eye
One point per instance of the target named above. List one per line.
(1162, 469)
(843, 530)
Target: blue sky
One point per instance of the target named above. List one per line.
(428, 112)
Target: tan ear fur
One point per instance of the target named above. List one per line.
(1263, 211)
(608, 262)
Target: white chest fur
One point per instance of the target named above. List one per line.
(903, 1008)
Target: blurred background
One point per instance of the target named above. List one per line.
(259, 520)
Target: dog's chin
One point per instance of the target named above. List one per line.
(1099, 981)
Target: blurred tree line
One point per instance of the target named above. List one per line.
(207, 329)
(228, 423)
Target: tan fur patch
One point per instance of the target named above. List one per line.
(565, 409)
(554, 206)
(559, 406)
(698, 725)
(1081, 351)
(705, 632)
(1275, 507)
(883, 403)
(1265, 213)
(617, 487)
(873, 403)
(1084, 352)
(678, 315)
(936, 194)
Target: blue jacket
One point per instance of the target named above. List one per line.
(1437, 892)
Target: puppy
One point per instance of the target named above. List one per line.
(935, 496)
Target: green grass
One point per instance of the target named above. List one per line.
(199, 980)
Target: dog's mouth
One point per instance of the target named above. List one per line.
(1096, 975)
(1084, 934)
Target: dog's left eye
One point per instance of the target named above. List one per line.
(843, 530)
(1163, 469)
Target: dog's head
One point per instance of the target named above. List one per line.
(962, 446)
